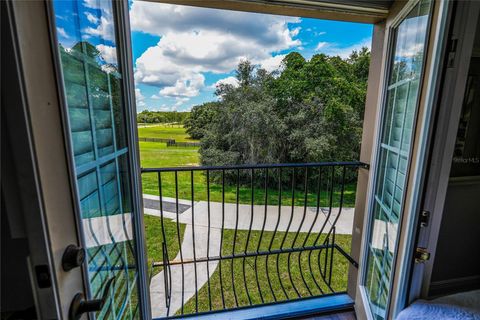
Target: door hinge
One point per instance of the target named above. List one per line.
(452, 50)
(424, 218)
(421, 255)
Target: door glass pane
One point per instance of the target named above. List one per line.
(394, 153)
(92, 82)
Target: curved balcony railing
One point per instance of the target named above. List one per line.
(248, 235)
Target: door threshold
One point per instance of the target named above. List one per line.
(282, 310)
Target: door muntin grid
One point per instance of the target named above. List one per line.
(97, 129)
(398, 119)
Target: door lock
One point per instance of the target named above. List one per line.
(421, 255)
(73, 257)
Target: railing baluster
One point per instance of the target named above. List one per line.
(235, 236)
(331, 257)
(221, 238)
(248, 236)
(292, 210)
(208, 241)
(326, 243)
(261, 235)
(327, 218)
(193, 240)
(300, 228)
(292, 213)
(179, 239)
(325, 266)
(329, 209)
(165, 275)
(275, 231)
(164, 246)
(317, 211)
(342, 191)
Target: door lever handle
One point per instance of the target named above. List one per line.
(80, 306)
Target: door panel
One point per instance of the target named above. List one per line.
(402, 91)
(445, 147)
(93, 88)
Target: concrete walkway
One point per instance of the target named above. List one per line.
(228, 216)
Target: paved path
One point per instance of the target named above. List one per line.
(228, 215)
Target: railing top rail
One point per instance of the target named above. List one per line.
(259, 166)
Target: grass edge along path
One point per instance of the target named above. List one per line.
(154, 239)
(256, 270)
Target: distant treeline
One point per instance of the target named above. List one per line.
(162, 117)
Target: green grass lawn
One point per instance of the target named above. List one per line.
(158, 155)
(154, 240)
(163, 131)
(255, 269)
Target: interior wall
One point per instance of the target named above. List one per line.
(457, 259)
(15, 279)
(16, 292)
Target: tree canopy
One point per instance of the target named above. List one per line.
(307, 111)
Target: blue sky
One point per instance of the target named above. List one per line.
(180, 53)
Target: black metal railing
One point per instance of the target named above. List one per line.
(253, 234)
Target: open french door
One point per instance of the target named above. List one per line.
(396, 165)
(94, 69)
(75, 71)
(449, 172)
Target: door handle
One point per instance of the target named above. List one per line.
(80, 306)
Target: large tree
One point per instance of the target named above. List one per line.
(307, 111)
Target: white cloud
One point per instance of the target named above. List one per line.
(321, 44)
(103, 29)
(155, 97)
(185, 87)
(228, 80)
(160, 19)
(410, 29)
(103, 5)
(179, 102)
(198, 40)
(140, 99)
(62, 32)
(108, 53)
(91, 18)
(272, 63)
(333, 49)
(103, 25)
